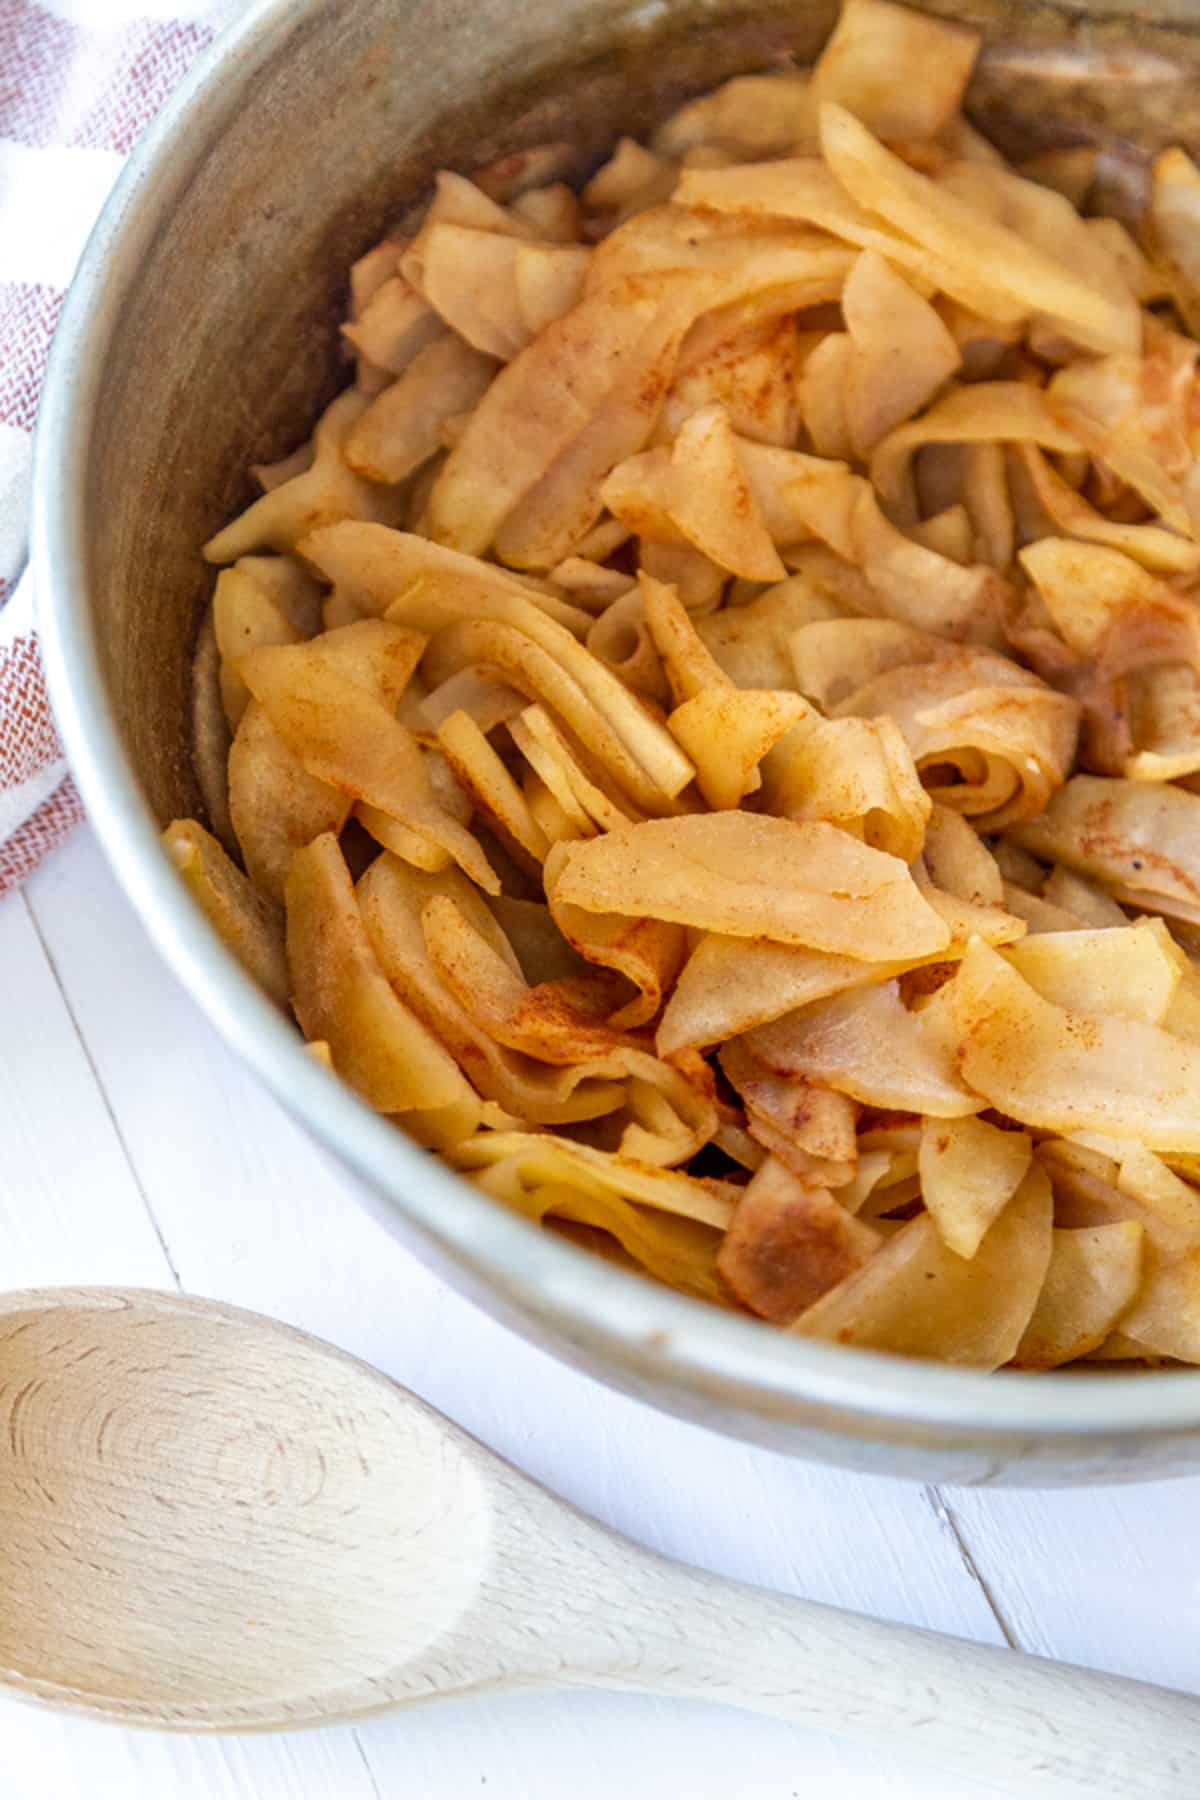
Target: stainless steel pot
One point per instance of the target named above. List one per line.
(200, 335)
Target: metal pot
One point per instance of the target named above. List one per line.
(200, 335)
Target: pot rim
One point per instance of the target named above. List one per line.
(618, 1317)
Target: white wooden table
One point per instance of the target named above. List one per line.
(133, 1149)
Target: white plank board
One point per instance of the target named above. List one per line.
(70, 1209)
(47, 1757)
(1103, 1576)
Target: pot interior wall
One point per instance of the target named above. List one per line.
(227, 339)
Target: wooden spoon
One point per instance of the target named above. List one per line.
(209, 1521)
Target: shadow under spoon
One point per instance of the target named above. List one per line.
(211, 1522)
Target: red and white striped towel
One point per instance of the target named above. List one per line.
(79, 81)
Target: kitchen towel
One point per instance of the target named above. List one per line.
(79, 81)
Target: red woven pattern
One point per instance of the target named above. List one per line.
(128, 73)
(76, 87)
(28, 316)
(35, 69)
(41, 833)
(29, 741)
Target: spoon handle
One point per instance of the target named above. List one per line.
(1024, 1723)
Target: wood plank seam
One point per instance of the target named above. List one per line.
(369, 1770)
(102, 1089)
(943, 1511)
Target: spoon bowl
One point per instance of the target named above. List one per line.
(209, 1521)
